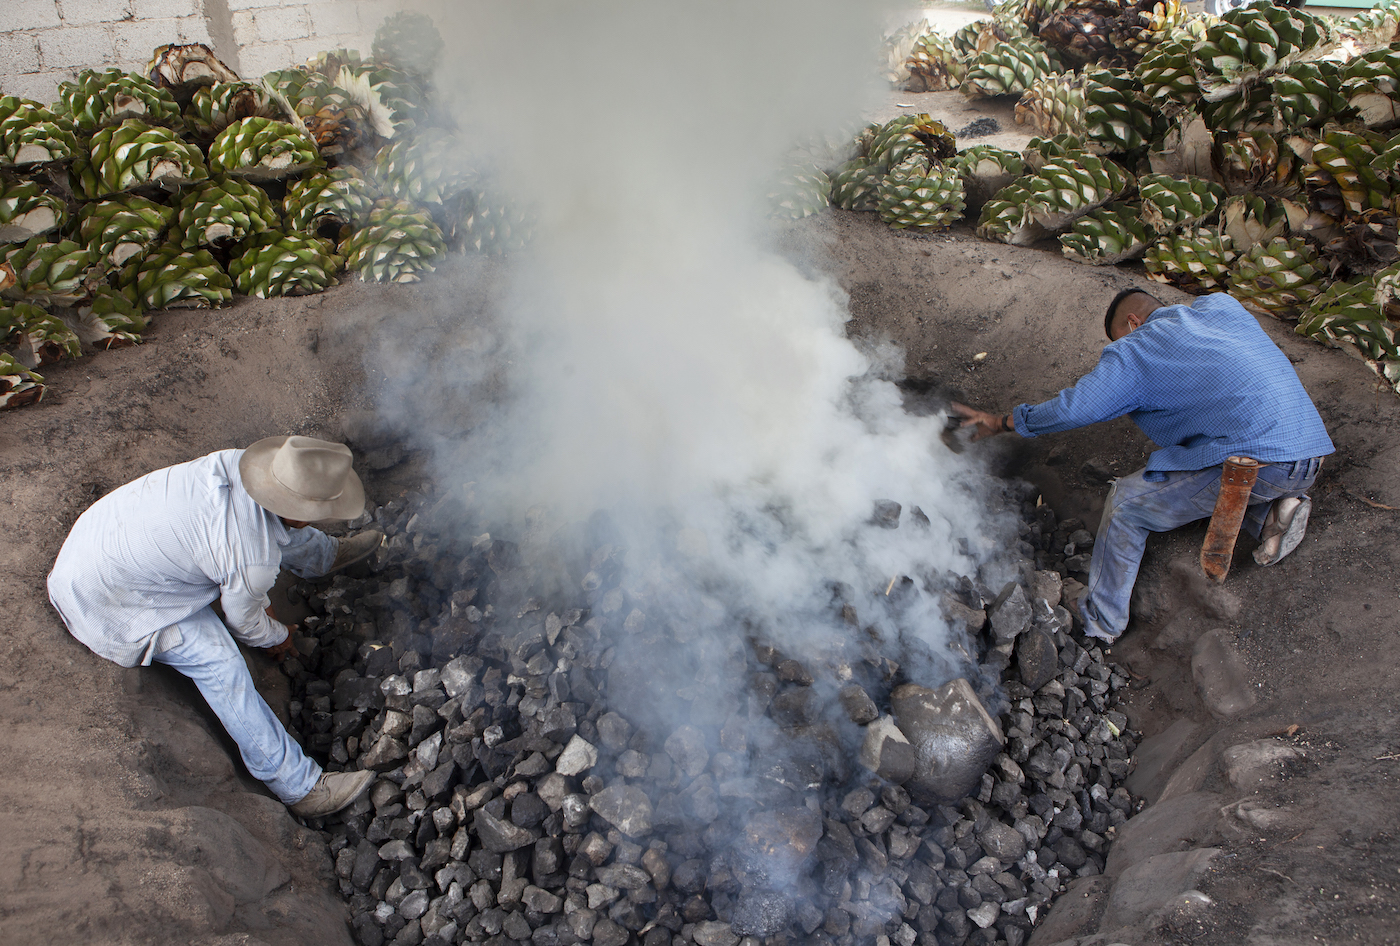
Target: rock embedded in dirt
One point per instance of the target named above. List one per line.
(1251, 765)
(1221, 676)
(953, 737)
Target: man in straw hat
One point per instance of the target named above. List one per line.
(136, 578)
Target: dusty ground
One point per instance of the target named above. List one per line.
(125, 817)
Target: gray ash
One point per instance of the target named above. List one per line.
(522, 797)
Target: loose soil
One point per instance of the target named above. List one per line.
(125, 816)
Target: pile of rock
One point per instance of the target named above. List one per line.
(520, 801)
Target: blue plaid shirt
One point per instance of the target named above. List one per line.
(1203, 381)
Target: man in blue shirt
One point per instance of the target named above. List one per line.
(1205, 383)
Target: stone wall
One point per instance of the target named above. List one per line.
(44, 42)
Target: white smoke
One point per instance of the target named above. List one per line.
(665, 364)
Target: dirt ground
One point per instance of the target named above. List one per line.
(125, 816)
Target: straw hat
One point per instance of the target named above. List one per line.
(302, 478)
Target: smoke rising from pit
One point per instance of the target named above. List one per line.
(663, 364)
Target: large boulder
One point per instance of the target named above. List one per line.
(953, 736)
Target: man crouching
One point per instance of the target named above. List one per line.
(136, 576)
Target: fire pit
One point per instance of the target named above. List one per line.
(563, 768)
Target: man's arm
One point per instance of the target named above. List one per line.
(245, 601)
(988, 425)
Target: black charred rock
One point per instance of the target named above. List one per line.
(760, 913)
(859, 707)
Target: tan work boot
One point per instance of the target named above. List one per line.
(332, 792)
(355, 548)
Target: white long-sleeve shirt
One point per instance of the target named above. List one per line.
(153, 552)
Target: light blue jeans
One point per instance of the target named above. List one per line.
(1144, 502)
(208, 655)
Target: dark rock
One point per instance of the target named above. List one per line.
(1002, 842)
(775, 846)
(1037, 661)
(527, 810)
(625, 807)
(498, 835)
(686, 747)
(859, 707)
(1151, 884)
(385, 754)
(791, 671)
(760, 913)
(1011, 613)
(953, 737)
(1185, 821)
(887, 752)
(608, 933)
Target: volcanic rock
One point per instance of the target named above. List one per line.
(715, 933)
(1252, 764)
(954, 738)
(859, 707)
(1047, 586)
(775, 846)
(887, 752)
(1011, 613)
(626, 808)
(1037, 661)
(578, 756)
(960, 617)
(1002, 842)
(760, 913)
(386, 753)
(497, 834)
(686, 747)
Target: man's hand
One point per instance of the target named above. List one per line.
(988, 425)
(282, 651)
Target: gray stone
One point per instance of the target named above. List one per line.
(414, 905)
(623, 877)
(498, 835)
(625, 807)
(760, 913)
(686, 747)
(984, 915)
(715, 933)
(859, 707)
(1252, 765)
(553, 789)
(1011, 614)
(396, 851)
(1149, 885)
(541, 901)
(1047, 586)
(776, 846)
(1178, 823)
(887, 752)
(1002, 842)
(1222, 679)
(954, 738)
(578, 756)
(1037, 660)
(962, 618)
(614, 731)
(386, 753)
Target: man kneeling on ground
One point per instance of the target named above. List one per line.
(136, 576)
(1204, 383)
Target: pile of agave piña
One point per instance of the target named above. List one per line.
(177, 187)
(1255, 153)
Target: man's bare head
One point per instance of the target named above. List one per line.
(1129, 309)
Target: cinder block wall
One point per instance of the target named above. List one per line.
(45, 42)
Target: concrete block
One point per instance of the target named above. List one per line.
(136, 39)
(160, 9)
(30, 14)
(373, 13)
(263, 58)
(86, 12)
(244, 30)
(39, 86)
(304, 49)
(236, 5)
(282, 24)
(19, 52)
(77, 47)
(332, 17)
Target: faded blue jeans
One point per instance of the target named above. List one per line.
(208, 655)
(1144, 502)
